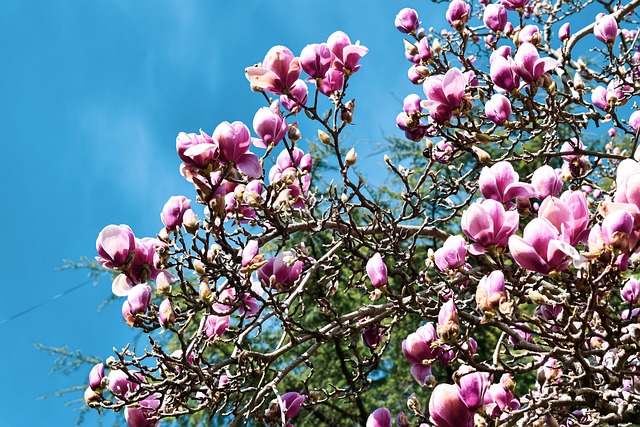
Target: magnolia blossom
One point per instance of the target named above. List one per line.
(488, 224)
(279, 70)
(504, 73)
(445, 94)
(606, 29)
(542, 248)
(472, 387)
(453, 253)
(495, 17)
(514, 4)
(569, 214)
(564, 32)
(377, 271)
(316, 59)
(173, 211)
(447, 409)
(142, 414)
(501, 182)
(347, 55)
(281, 272)
(499, 397)
(498, 109)
(546, 182)
(269, 125)
(115, 245)
(381, 417)
(530, 66)
(297, 97)
(491, 292)
(458, 14)
(407, 20)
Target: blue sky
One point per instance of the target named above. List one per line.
(92, 96)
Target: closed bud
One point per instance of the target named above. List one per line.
(324, 137)
(483, 156)
(351, 158)
(294, 132)
(198, 267)
(402, 420)
(436, 47)
(91, 398)
(346, 112)
(190, 222)
(204, 291)
(410, 48)
(166, 316)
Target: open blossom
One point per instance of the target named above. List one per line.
(215, 325)
(173, 211)
(499, 398)
(316, 59)
(137, 302)
(234, 141)
(418, 348)
(445, 94)
(631, 291)
(488, 224)
(281, 272)
(501, 182)
(472, 387)
(530, 66)
(541, 247)
(546, 182)
(347, 55)
(569, 214)
(142, 414)
(606, 29)
(279, 71)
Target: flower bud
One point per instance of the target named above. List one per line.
(95, 376)
(381, 417)
(172, 214)
(458, 14)
(498, 109)
(324, 137)
(91, 398)
(495, 17)
(564, 33)
(606, 29)
(351, 158)
(631, 291)
(407, 21)
(215, 326)
(166, 316)
(294, 132)
(448, 323)
(377, 271)
(204, 291)
(346, 112)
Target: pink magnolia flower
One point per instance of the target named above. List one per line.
(347, 55)
(291, 176)
(498, 109)
(377, 271)
(630, 292)
(173, 211)
(407, 21)
(514, 4)
(121, 384)
(381, 417)
(116, 246)
(606, 29)
(95, 376)
(448, 323)
(316, 59)
(292, 403)
(472, 387)
(298, 95)
(281, 272)
(269, 125)
(541, 248)
(530, 66)
(422, 55)
(215, 325)
(447, 409)
(501, 182)
(279, 71)
(569, 214)
(137, 302)
(546, 182)
(495, 17)
(418, 348)
(233, 141)
(143, 413)
(491, 291)
(488, 224)
(499, 399)
(564, 33)
(332, 82)
(634, 120)
(445, 94)
(617, 231)
(530, 34)
(452, 255)
(458, 14)
(504, 73)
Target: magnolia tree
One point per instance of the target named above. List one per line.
(522, 283)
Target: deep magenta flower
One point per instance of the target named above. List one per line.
(332, 82)
(120, 384)
(499, 398)
(472, 387)
(137, 302)
(316, 59)
(458, 14)
(377, 271)
(116, 246)
(606, 29)
(281, 272)
(530, 66)
(95, 377)
(381, 417)
(407, 21)
(292, 403)
(447, 409)
(173, 211)
(418, 348)
(279, 71)
(452, 255)
(617, 228)
(347, 55)
(495, 17)
(445, 94)
(488, 224)
(569, 214)
(541, 248)
(269, 125)
(564, 33)
(514, 4)
(498, 109)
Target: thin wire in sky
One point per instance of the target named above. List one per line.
(53, 298)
